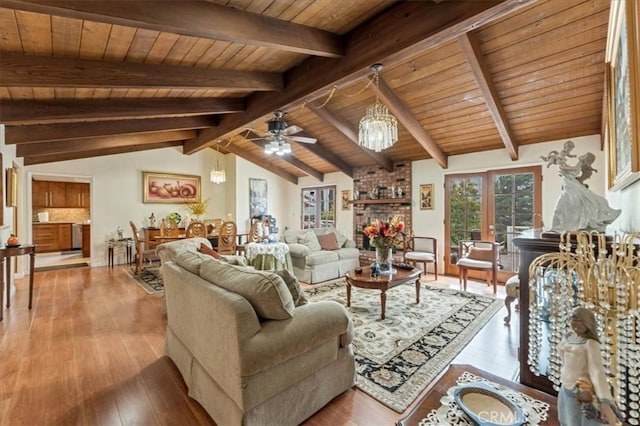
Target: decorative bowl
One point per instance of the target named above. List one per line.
(486, 406)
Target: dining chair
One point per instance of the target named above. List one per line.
(142, 252)
(168, 228)
(196, 229)
(227, 235)
(478, 255)
(421, 250)
(254, 236)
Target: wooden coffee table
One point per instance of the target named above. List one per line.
(382, 283)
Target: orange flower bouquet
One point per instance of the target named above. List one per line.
(385, 235)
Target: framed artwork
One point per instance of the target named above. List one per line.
(257, 197)
(170, 188)
(426, 196)
(12, 187)
(346, 196)
(623, 111)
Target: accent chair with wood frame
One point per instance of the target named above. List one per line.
(478, 255)
(142, 252)
(421, 250)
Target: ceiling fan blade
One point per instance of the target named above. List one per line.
(292, 130)
(303, 139)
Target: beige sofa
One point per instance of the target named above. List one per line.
(250, 348)
(313, 263)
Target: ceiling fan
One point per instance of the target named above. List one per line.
(279, 134)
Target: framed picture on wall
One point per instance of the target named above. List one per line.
(170, 188)
(426, 196)
(258, 196)
(346, 196)
(623, 72)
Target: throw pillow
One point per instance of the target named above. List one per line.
(478, 253)
(266, 291)
(328, 241)
(208, 250)
(297, 293)
(341, 238)
(310, 240)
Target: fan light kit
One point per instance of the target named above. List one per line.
(277, 147)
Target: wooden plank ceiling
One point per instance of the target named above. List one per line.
(82, 78)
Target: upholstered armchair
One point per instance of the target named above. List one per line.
(478, 255)
(421, 250)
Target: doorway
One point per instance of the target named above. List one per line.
(496, 205)
(60, 219)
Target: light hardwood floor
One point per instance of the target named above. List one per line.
(90, 352)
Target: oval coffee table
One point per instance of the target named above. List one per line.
(382, 283)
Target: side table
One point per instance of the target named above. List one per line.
(9, 252)
(127, 243)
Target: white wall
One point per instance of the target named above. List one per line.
(280, 194)
(8, 159)
(116, 189)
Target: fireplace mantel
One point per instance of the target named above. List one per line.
(382, 201)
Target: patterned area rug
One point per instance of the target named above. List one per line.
(396, 358)
(149, 279)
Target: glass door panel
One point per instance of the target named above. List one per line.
(318, 207)
(510, 204)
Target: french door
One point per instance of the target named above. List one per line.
(496, 205)
(318, 207)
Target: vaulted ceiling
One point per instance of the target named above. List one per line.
(81, 79)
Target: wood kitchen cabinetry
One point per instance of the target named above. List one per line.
(52, 237)
(77, 195)
(49, 194)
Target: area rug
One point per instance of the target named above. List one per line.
(149, 279)
(396, 358)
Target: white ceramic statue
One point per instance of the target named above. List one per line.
(578, 207)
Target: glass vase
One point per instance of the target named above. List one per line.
(384, 257)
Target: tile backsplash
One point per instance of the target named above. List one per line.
(64, 215)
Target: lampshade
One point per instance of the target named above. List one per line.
(277, 147)
(218, 174)
(378, 129)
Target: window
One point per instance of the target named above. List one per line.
(318, 207)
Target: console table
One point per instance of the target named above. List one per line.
(8, 253)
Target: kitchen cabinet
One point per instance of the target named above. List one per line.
(49, 194)
(77, 195)
(60, 194)
(52, 237)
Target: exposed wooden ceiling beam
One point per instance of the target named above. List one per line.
(473, 54)
(402, 31)
(196, 19)
(46, 71)
(413, 126)
(326, 155)
(344, 128)
(42, 159)
(67, 131)
(78, 145)
(259, 161)
(289, 159)
(63, 110)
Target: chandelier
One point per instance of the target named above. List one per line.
(277, 146)
(378, 129)
(218, 174)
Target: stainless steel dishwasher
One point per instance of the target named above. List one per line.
(76, 236)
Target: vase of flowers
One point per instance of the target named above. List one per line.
(384, 236)
(197, 208)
